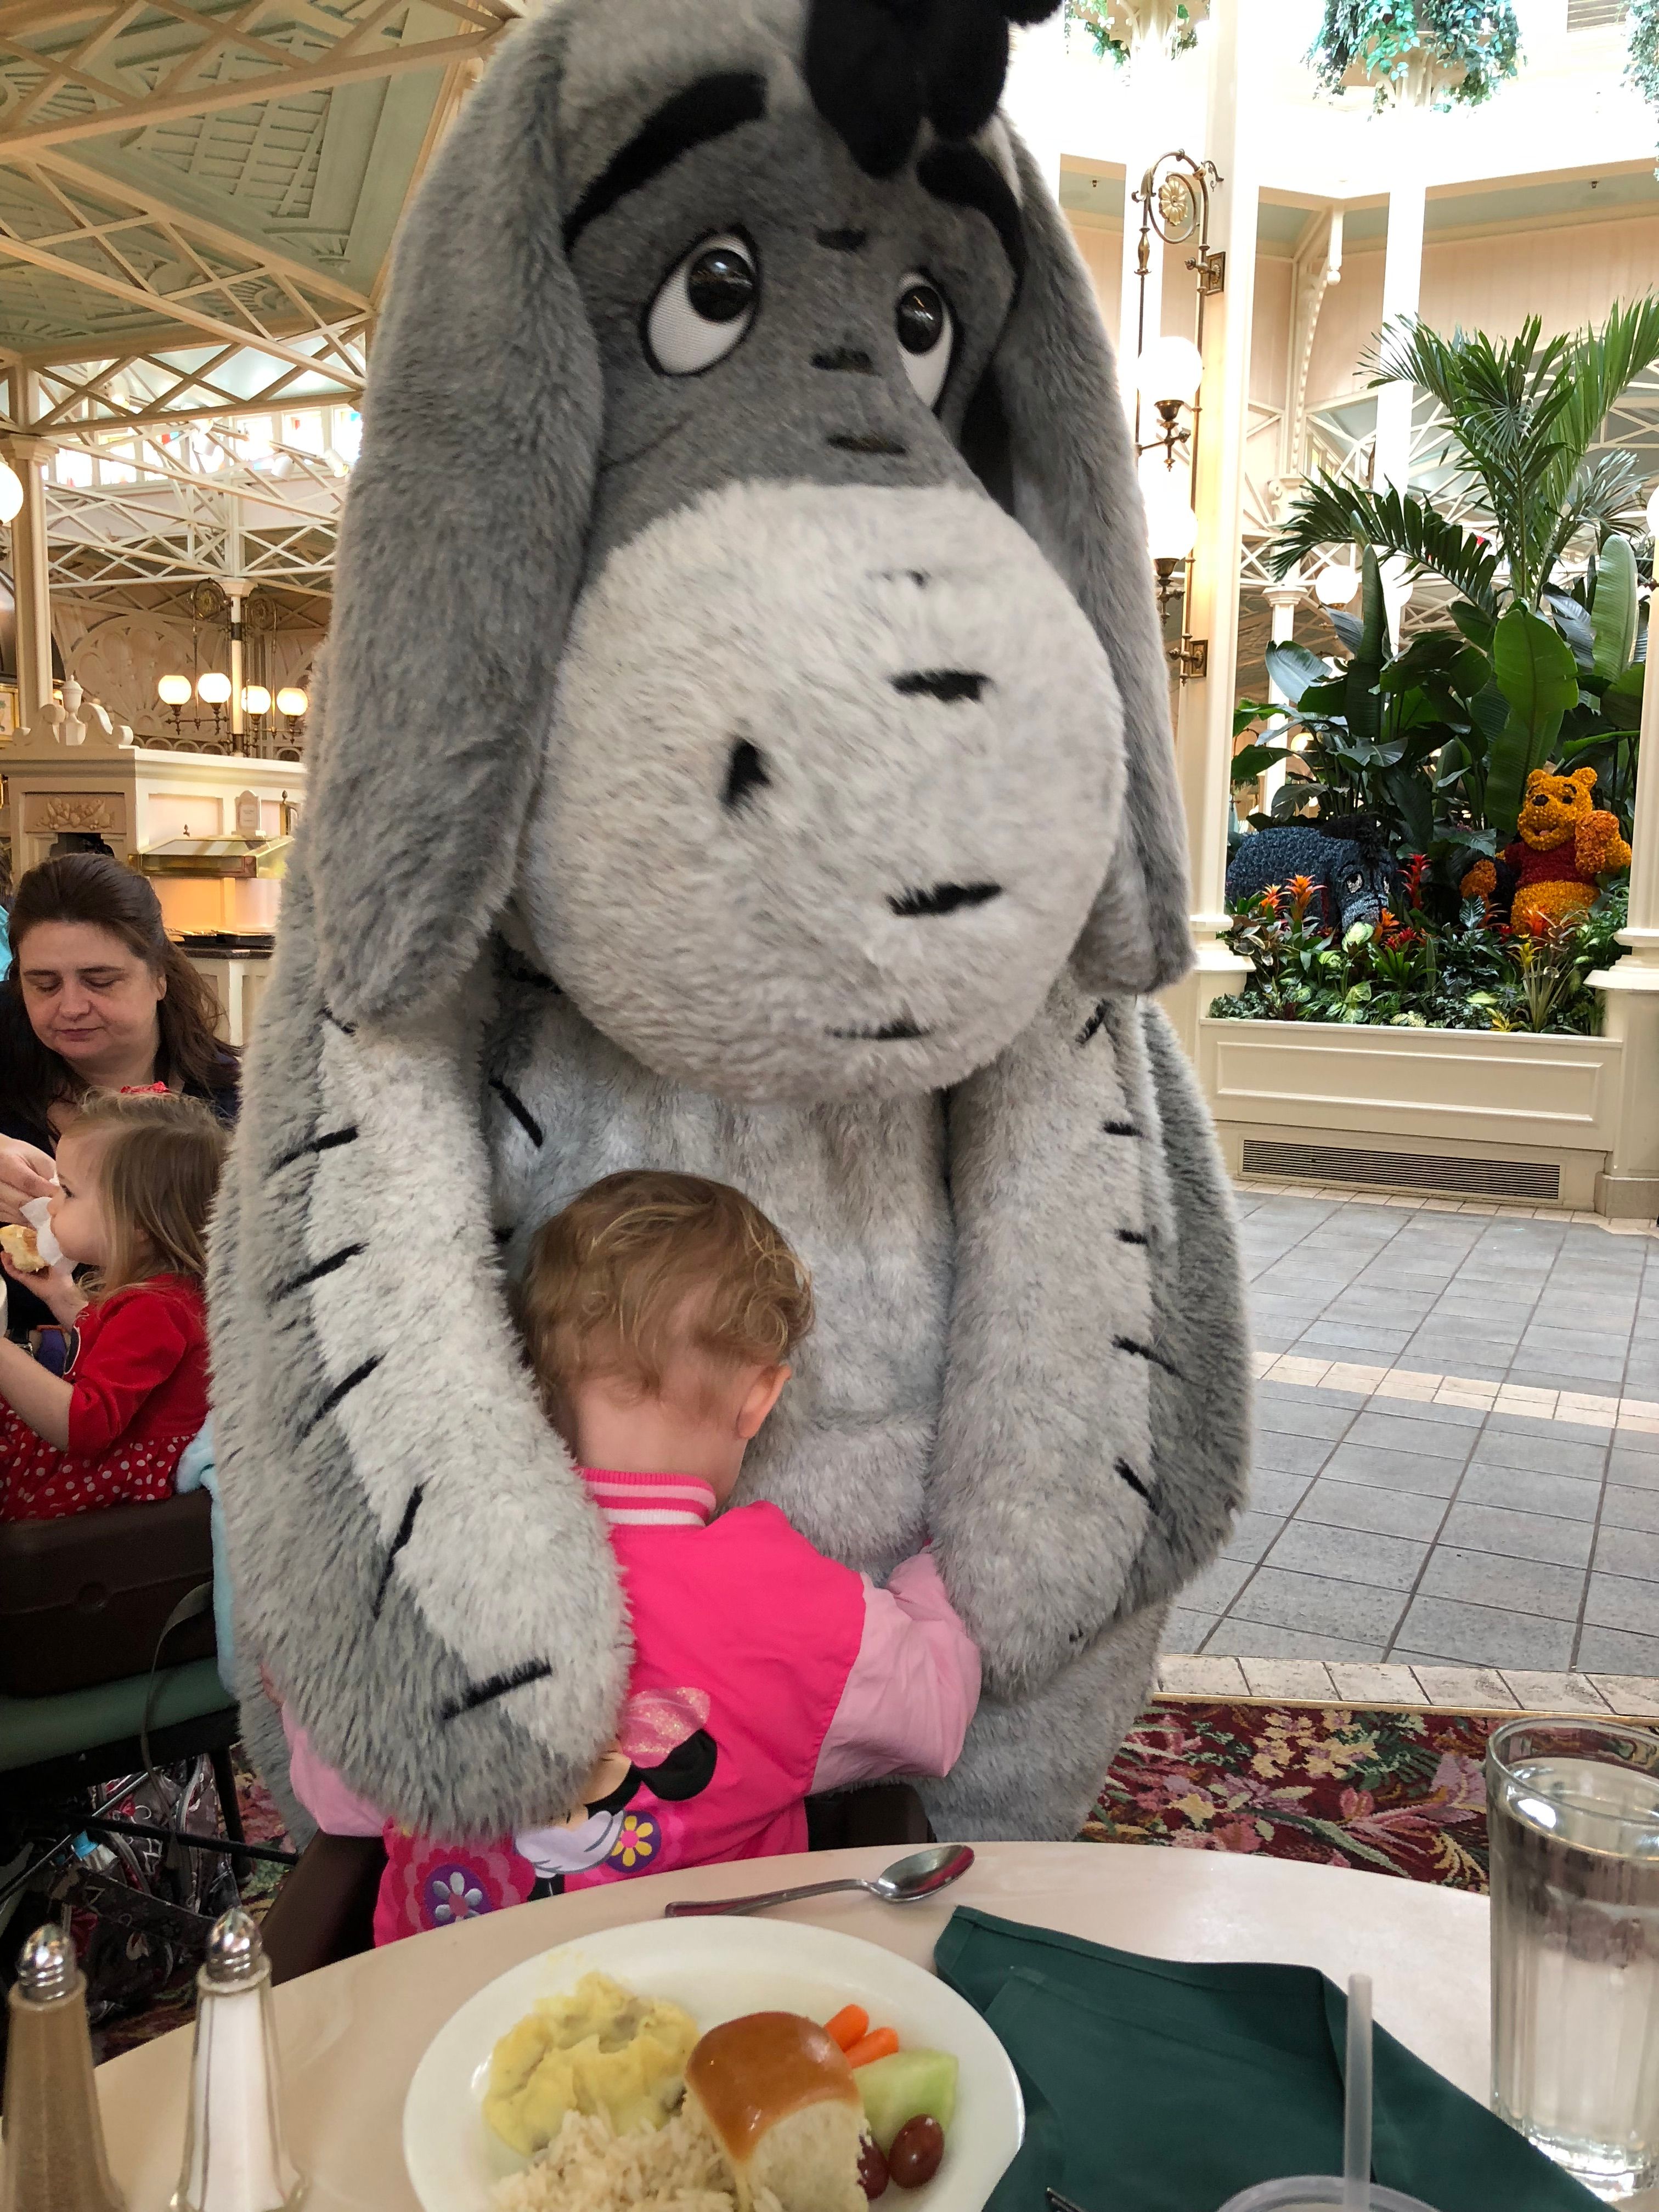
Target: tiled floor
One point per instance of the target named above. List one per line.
(1486, 1493)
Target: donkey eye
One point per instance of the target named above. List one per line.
(926, 335)
(705, 307)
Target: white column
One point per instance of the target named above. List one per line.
(1629, 999)
(1203, 721)
(1284, 599)
(1402, 293)
(30, 584)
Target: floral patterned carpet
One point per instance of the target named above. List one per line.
(1399, 1792)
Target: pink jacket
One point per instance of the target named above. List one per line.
(763, 1672)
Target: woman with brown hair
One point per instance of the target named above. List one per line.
(98, 998)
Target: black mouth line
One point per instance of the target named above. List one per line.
(890, 1033)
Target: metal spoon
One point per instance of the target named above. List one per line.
(922, 1874)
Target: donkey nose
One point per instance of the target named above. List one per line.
(943, 898)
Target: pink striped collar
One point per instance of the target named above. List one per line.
(651, 1501)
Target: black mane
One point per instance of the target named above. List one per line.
(878, 68)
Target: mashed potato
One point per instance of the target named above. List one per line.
(597, 2051)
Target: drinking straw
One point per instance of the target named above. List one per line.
(1357, 2109)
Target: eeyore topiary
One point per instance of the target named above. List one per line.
(744, 750)
(1348, 858)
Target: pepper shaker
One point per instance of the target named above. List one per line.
(54, 2137)
(235, 2145)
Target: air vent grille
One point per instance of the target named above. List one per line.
(1534, 1179)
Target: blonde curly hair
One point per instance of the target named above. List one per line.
(648, 1266)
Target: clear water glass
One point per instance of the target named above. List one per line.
(1318, 2192)
(1573, 1809)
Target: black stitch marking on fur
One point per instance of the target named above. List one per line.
(346, 1029)
(504, 1236)
(332, 1265)
(1145, 1351)
(484, 1693)
(1126, 1474)
(844, 241)
(520, 1113)
(964, 178)
(405, 1530)
(919, 577)
(944, 898)
(341, 1391)
(1119, 1128)
(1093, 1026)
(867, 442)
(1132, 1236)
(892, 1033)
(950, 686)
(329, 1142)
(846, 360)
(745, 777)
(704, 111)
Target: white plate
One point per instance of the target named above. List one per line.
(717, 1969)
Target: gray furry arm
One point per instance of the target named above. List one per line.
(1093, 1433)
(413, 1557)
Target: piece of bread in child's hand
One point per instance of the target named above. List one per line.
(17, 1242)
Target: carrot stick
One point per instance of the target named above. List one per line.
(880, 2043)
(849, 2024)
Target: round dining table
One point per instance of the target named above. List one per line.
(352, 2034)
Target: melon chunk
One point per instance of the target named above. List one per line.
(909, 2083)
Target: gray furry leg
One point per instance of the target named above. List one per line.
(1032, 1766)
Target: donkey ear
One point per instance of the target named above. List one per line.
(1076, 491)
(460, 549)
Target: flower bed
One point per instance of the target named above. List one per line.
(1411, 971)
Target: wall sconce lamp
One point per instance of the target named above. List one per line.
(1175, 204)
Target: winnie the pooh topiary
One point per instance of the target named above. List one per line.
(1564, 844)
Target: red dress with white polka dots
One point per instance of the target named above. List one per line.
(140, 1384)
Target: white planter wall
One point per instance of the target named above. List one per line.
(1505, 1106)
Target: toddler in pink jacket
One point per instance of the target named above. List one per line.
(661, 1312)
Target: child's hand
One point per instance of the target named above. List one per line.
(56, 1289)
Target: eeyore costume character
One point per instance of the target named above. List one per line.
(744, 750)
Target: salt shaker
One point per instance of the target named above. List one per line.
(236, 2147)
(55, 2159)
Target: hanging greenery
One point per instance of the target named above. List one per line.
(1433, 52)
(1642, 69)
(1113, 25)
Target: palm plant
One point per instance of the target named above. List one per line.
(1521, 418)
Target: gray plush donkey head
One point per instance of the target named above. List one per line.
(743, 595)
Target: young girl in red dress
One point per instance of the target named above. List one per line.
(136, 1177)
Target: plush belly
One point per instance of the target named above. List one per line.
(858, 1189)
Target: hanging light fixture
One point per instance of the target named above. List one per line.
(256, 699)
(213, 689)
(1335, 585)
(292, 701)
(11, 493)
(1653, 512)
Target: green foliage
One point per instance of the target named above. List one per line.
(1415, 971)
(1521, 418)
(1480, 37)
(1438, 741)
(1095, 17)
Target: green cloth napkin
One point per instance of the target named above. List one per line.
(1155, 2088)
